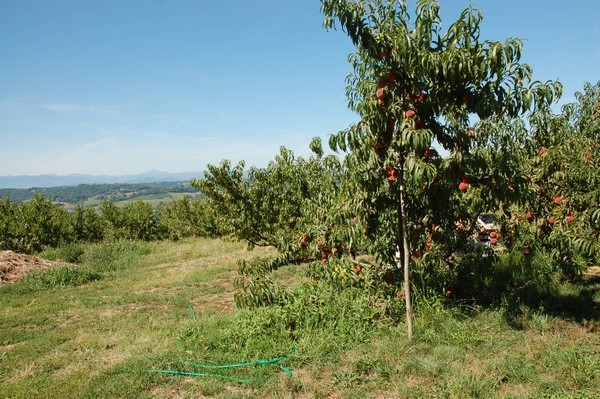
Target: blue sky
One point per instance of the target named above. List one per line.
(121, 87)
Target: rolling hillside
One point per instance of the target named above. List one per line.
(92, 194)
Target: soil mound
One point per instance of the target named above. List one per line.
(14, 266)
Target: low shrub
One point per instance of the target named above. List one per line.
(60, 276)
(318, 321)
(69, 253)
(111, 256)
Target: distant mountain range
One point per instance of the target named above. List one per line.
(52, 180)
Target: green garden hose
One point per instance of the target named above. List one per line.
(227, 366)
(275, 360)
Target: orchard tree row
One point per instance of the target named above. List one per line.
(33, 225)
(387, 210)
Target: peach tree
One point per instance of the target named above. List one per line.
(561, 216)
(288, 205)
(440, 138)
(269, 206)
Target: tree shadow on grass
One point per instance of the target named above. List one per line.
(579, 302)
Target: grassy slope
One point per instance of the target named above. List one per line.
(98, 340)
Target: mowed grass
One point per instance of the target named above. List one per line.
(99, 339)
(83, 341)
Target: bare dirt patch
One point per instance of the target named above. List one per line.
(14, 266)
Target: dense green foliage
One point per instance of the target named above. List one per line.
(33, 225)
(563, 175)
(30, 226)
(415, 86)
(277, 205)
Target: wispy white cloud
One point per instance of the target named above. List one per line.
(62, 107)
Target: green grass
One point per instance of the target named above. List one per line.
(98, 337)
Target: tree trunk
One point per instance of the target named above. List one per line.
(405, 256)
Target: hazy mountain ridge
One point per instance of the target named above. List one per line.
(53, 180)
